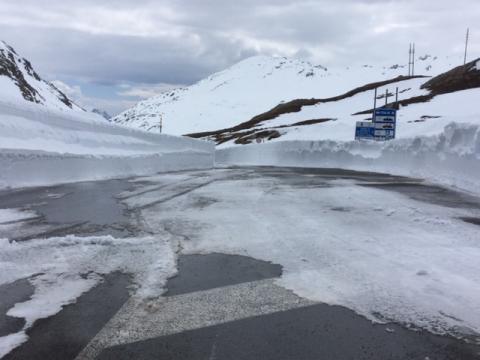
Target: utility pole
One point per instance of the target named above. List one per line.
(466, 47)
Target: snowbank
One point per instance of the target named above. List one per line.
(451, 158)
(35, 168)
(40, 146)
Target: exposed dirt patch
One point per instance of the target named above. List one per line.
(471, 220)
(400, 103)
(308, 122)
(460, 78)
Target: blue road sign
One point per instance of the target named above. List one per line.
(385, 112)
(385, 121)
(381, 128)
(364, 130)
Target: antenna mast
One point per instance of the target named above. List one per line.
(466, 46)
(409, 59)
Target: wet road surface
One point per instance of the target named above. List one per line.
(218, 306)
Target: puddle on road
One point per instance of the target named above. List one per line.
(471, 220)
(203, 272)
(87, 208)
(63, 335)
(11, 294)
(92, 202)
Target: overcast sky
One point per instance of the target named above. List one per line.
(111, 53)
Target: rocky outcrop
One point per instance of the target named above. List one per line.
(31, 86)
(460, 78)
(9, 66)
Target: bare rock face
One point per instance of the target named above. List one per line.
(10, 66)
(32, 87)
(460, 78)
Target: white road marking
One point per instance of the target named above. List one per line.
(137, 320)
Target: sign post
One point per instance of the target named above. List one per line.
(382, 127)
(385, 124)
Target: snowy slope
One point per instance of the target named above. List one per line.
(424, 118)
(253, 86)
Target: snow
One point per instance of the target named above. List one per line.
(451, 157)
(251, 87)
(62, 269)
(39, 146)
(384, 255)
(30, 127)
(10, 342)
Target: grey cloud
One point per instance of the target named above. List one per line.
(182, 41)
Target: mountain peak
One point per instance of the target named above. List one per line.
(18, 73)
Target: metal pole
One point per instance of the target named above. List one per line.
(409, 58)
(396, 98)
(374, 104)
(161, 123)
(466, 47)
(413, 60)
(386, 97)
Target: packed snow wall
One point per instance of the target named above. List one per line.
(451, 158)
(42, 147)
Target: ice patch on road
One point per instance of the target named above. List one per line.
(14, 219)
(62, 269)
(13, 215)
(388, 257)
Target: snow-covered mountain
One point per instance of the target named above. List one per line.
(254, 86)
(20, 83)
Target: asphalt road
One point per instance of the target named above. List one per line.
(219, 306)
